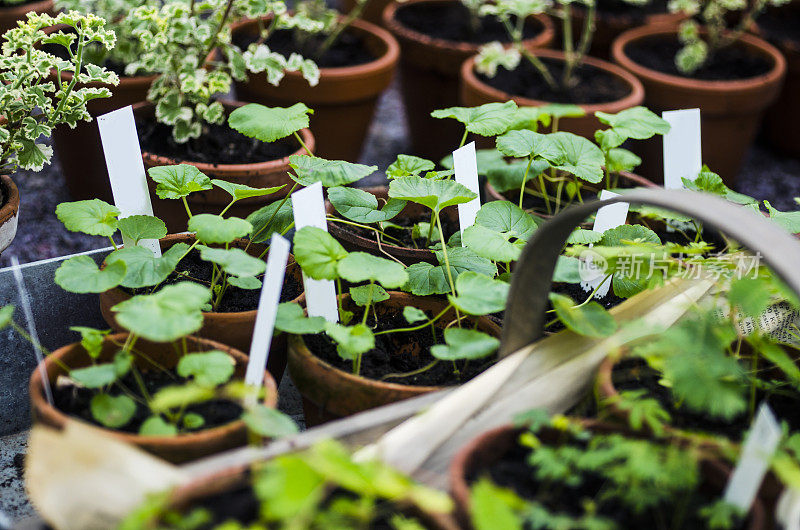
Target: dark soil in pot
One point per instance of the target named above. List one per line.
(634, 374)
(592, 85)
(398, 353)
(452, 22)
(219, 144)
(348, 50)
(728, 64)
(780, 24)
(76, 402)
(512, 471)
(192, 268)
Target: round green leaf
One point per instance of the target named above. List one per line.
(292, 319)
(414, 314)
(6, 315)
(318, 253)
(80, 274)
(212, 228)
(361, 206)
(138, 227)
(359, 267)
(180, 396)
(193, 421)
(156, 426)
(210, 368)
(268, 422)
(581, 236)
(479, 294)
(245, 282)
(638, 123)
(142, 268)
(486, 120)
(351, 341)
(311, 169)
(490, 244)
(591, 319)
(434, 194)
(579, 157)
(112, 411)
(368, 294)
(522, 144)
(178, 181)
(619, 235)
(234, 261)
(269, 124)
(241, 191)
(277, 217)
(95, 376)
(465, 344)
(408, 166)
(506, 217)
(93, 217)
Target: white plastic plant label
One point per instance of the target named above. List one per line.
(126, 168)
(309, 210)
(754, 460)
(465, 162)
(607, 217)
(267, 310)
(683, 155)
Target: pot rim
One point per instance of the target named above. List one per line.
(269, 166)
(394, 26)
(299, 346)
(764, 48)
(118, 294)
(59, 418)
(383, 63)
(10, 208)
(634, 97)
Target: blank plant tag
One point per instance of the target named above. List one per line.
(683, 155)
(126, 168)
(267, 310)
(465, 163)
(309, 210)
(754, 460)
(607, 217)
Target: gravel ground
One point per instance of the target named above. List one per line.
(766, 175)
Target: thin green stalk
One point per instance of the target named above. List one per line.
(463, 139)
(413, 372)
(544, 194)
(525, 180)
(369, 303)
(186, 205)
(540, 67)
(351, 16)
(303, 144)
(417, 327)
(446, 258)
(112, 242)
(225, 210)
(339, 297)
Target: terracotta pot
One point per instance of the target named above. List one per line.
(9, 15)
(492, 445)
(781, 119)
(476, 92)
(343, 101)
(259, 175)
(330, 393)
(233, 329)
(731, 110)
(199, 491)
(176, 449)
(9, 211)
(354, 242)
(429, 69)
(79, 150)
(373, 12)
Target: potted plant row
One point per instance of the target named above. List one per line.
(31, 106)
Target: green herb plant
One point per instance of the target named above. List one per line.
(30, 104)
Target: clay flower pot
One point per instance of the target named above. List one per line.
(476, 92)
(9, 15)
(259, 175)
(429, 69)
(176, 449)
(354, 242)
(233, 329)
(492, 445)
(329, 393)
(343, 101)
(731, 110)
(79, 150)
(9, 211)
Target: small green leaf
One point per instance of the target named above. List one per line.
(621, 160)
(245, 282)
(789, 221)
(178, 181)
(434, 194)
(581, 236)
(180, 397)
(479, 294)
(193, 421)
(209, 368)
(112, 411)
(414, 315)
(269, 423)
(93, 217)
(590, 319)
(318, 253)
(234, 261)
(95, 376)
(638, 123)
(522, 144)
(269, 124)
(425, 279)
(364, 295)
(578, 156)
(495, 507)
(506, 217)
(80, 274)
(331, 173)
(156, 426)
(491, 245)
(351, 341)
(359, 267)
(123, 361)
(751, 295)
(490, 119)
(623, 234)
(241, 191)
(214, 229)
(567, 270)
(277, 217)
(138, 227)
(408, 166)
(361, 206)
(292, 319)
(143, 269)
(465, 344)
(6, 315)
(91, 339)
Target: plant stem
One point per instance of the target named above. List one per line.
(413, 372)
(369, 302)
(186, 205)
(545, 195)
(303, 144)
(112, 242)
(583, 47)
(415, 328)
(539, 65)
(463, 139)
(341, 26)
(446, 258)
(214, 38)
(525, 180)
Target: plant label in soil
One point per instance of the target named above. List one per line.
(309, 210)
(24, 301)
(267, 310)
(788, 510)
(465, 163)
(683, 155)
(607, 217)
(126, 168)
(754, 460)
